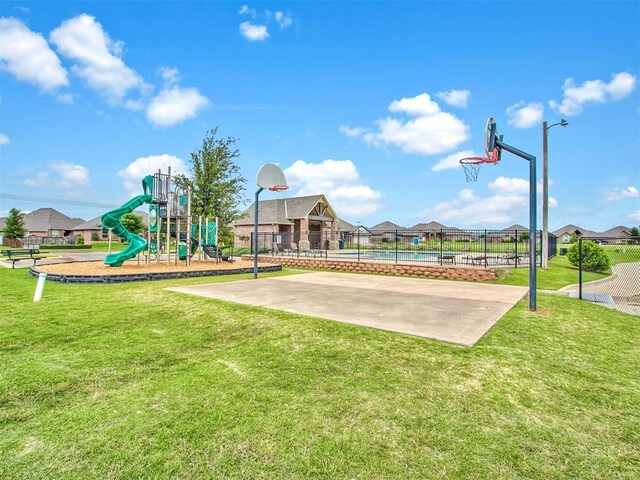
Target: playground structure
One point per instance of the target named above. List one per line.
(169, 219)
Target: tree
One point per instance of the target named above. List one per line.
(133, 223)
(216, 182)
(635, 231)
(594, 258)
(14, 225)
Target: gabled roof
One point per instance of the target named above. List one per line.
(618, 232)
(515, 226)
(283, 210)
(571, 229)
(345, 226)
(93, 224)
(432, 225)
(45, 219)
(387, 226)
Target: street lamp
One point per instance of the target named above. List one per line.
(545, 191)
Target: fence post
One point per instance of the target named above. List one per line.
(396, 245)
(580, 268)
(251, 248)
(358, 243)
(485, 246)
(516, 249)
(441, 246)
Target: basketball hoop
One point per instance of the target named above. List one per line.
(471, 165)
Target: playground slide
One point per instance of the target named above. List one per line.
(112, 220)
(194, 246)
(214, 252)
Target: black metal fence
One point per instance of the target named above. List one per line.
(610, 271)
(482, 248)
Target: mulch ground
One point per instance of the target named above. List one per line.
(132, 267)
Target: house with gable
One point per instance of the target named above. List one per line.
(310, 222)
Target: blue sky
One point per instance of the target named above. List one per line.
(371, 104)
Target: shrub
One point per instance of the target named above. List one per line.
(66, 246)
(95, 237)
(80, 240)
(594, 258)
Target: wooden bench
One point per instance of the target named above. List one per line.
(18, 254)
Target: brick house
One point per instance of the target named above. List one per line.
(307, 221)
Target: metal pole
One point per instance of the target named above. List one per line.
(545, 197)
(580, 269)
(169, 218)
(255, 236)
(532, 217)
(396, 245)
(532, 233)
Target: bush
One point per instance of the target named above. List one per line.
(80, 240)
(594, 258)
(95, 237)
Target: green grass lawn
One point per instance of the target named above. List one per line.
(133, 381)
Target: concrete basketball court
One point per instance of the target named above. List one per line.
(453, 312)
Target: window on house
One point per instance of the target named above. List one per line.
(566, 238)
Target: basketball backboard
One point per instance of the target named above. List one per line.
(271, 177)
(491, 133)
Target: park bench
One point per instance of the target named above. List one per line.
(18, 254)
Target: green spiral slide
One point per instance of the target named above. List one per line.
(112, 220)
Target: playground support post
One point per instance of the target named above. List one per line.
(532, 217)
(255, 236)
(168, 187)
(188, 226)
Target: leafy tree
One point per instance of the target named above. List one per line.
(14, 225)
(524, 235)
(635, 232)
(574, 237)
(594, 258)
(133, 223)
(216, 182)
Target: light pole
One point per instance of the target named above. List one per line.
(545, 191)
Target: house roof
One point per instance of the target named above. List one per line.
(45, 219)
(283, 210)
(571, 229)
(93, 224)
(432, 225)
(515, 226)
(618, 232)
(387, 225)
(345, 226)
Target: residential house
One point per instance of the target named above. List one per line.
(565, 234)
(309, 221)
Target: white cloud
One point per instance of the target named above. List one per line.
(27, 56)
(420, 105)
(245, 10)
(339, 181)
(61, 175)
(455, 98)
(65, 98)
(452, 161)
(143, 166)
(468, 209)
(135, 105)
(4, 140)
(634, 216)
(506, 185)
(352, 132)
(525, 115)
(593, 91)
(553, 203)
(170, 75)
(175, 105)
(616, 194)
(254, 33)
(283, 19)
(82, 39)
(432, 132)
